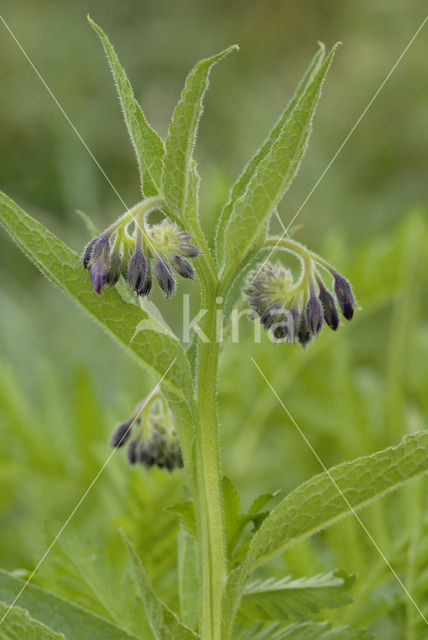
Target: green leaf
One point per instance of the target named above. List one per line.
(317, 503)
(249, 170)
(232, 513)
(188, 577)
(163, 622)
(261, 502)
(303, 631)
(19, 625)
(289, 599)
(60, 615)
(186, 513)
(245, 229)
(148, 145)
(180, 179)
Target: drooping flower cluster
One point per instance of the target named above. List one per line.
(118, 252)
(296, 311)
(155, 442)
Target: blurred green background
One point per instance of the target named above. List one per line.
(64, 385)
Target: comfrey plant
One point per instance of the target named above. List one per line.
(177, 425)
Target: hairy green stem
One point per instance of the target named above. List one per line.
(292, 246)
(209, 498)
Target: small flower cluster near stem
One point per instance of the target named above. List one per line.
(155, 442)
(130, 247)
(296, 311)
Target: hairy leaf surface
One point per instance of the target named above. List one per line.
(246, 226)
(300, 631)
(60, 615)
(149, 147)
(163, 622)
(249, 170)
(180, 179)
(289, 599)
(318, 503)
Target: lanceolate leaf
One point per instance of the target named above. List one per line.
(317, 503)
(188, 577)
(163, 622)
(300, 631)
(157, 352)
(246, 226)
(289, 599)
(61, 616)
(148, 145)
(240, 185)
(18, 625)
(180, 180)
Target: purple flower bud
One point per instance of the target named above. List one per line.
(272, 315)
(183, 267)
(292, 322)
(147, 286)
(87, 253)
(313, 315)
(114, 269)
(165, 278)
(101, 246)
(121, 434)
(98, 275)
(189, 250)
(344, 295)
(137, 269)
(329, 307)
(303, 333)
(132, 452)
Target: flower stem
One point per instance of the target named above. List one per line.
(277, 242)
(209, 499)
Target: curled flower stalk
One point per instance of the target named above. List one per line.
(131, 245)
(297, 310)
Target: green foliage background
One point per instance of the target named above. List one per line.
(64, 385)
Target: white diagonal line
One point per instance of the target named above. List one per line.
(54, 98)
(348, 504)
(317, 183)
(58, 535)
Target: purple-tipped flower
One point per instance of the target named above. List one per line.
(114, 269)
(292, 322)
(272, 315)
(165, 277)
(121, 434)
(313, 315)
(147, 286)
(87, 253)
(155, 441)
(127, 258)
(183, 267)
(185, 248)
(303, 332)
(292, 309)
(132, 453)
(99, 274)
(137, 269)
(344, 295)
(329, 307)
(189, 250)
